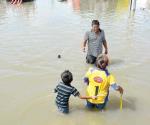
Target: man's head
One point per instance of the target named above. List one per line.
(102, 61)
(95, 26)
(67, 77)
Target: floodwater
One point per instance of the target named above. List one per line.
(33, 34)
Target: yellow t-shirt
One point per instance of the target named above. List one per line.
(99, 83)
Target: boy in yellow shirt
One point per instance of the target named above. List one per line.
(98, 81)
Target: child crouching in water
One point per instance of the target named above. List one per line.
(65, 90)
(98, 81)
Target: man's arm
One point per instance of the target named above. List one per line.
(85, 41)
(105, 46)
(84, 45)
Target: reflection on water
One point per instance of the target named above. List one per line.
(34, 34)
(26, 11)
(98, 5)
(144, 4)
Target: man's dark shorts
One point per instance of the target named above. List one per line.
(90, 59)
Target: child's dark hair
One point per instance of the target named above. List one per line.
(67, 77)
(102, 61)
(95, 22)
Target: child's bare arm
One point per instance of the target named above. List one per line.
(86, 97)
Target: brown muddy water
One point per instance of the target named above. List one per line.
(33, 34)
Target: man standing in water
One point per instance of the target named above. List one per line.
(95, 40)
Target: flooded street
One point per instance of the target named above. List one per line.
(34, 33)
